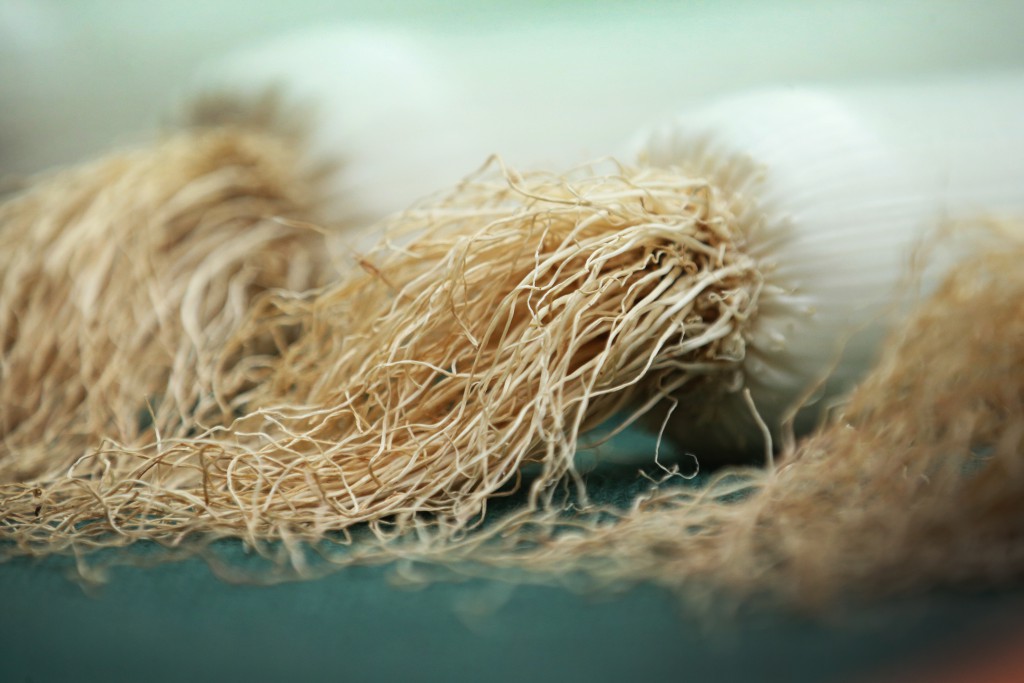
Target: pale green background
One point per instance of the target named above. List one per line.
(77, 76)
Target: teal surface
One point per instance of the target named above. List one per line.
(178, 622)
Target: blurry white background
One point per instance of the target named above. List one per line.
(80, 76)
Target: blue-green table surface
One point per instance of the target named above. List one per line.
(177, 622)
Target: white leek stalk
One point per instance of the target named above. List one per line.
(845, 187)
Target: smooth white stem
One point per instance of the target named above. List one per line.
(847, 186)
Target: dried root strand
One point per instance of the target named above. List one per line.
(180, 363)
(122, 280)
(489, 329)
(918, 483)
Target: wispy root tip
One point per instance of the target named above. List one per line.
(181, 363)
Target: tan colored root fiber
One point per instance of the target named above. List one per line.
(920, 482)
(489, 329)
(121, 282)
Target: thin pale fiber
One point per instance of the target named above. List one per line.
(917, 483)
(181, 363)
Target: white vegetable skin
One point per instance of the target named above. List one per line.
(377, 105)
(847, 186)
(406, 114)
